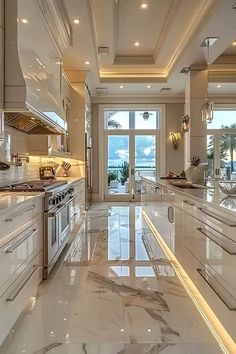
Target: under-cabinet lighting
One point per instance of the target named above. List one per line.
(218, 86)
(148, 86)
(223, 338)
(121, 86)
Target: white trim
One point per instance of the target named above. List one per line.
(160, 146)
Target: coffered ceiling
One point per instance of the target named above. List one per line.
(139, 51)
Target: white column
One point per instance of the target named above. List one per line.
(195, 96)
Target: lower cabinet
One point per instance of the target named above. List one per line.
(78, 205)
(21, 260)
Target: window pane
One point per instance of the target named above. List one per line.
(223, 120)
(118, 164)
(228, 156)
(145, 158)
(146, 119)
(116, 120)
(210, 155)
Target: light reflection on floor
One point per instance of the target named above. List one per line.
(115, 293)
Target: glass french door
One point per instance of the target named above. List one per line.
(221, 154)
(130, 156)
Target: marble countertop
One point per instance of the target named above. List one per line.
(9, 200)
(70, 180)
(212, 196)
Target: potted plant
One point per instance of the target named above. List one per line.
(112, 179)
(124, 171)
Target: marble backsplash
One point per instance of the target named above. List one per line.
(16, 142)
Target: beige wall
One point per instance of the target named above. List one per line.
(174, 158)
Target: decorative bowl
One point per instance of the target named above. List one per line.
(228, 187)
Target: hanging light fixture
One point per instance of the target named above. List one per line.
(208, 106)
(146, 115)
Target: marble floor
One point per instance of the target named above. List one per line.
(113, 293)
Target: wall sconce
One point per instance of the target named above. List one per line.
(185, 120)
(207, 112)
(175, 138)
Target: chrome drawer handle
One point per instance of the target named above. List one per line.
(14, 294)
(225, 243)
(20, 213)
(217, 217)
(171, 214)
(218, 288)
(16, 243)
(188, 202)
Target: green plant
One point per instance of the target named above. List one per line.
(124, 172)
(112, 176)
(195, 161)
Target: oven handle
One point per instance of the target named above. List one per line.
(54, 213)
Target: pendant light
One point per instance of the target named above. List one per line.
(208, 106)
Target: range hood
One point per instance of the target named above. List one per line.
(33, 86)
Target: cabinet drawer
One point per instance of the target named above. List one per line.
(13, 301)
(16, 251)
(150, 192)
(19, 215)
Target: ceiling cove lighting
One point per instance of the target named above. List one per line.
(223, 338)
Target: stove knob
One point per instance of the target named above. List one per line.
(54, 201)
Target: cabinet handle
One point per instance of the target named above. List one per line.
(171, 215)
(16, 243)
(218, 288)
(223, 241)
(14, 294)
(188, 202)
(217, 217)
(20, 213)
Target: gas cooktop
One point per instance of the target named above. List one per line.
(32, 186)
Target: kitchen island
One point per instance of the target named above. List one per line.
(196, 228)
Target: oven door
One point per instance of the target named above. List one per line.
(52, 239)
(63, 223)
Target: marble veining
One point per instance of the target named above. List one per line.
(114, 293)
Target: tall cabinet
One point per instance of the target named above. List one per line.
(80, 122)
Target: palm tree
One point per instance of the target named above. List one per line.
(112, 123)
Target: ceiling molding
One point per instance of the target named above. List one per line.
(134, 60)
(166, 27)
(115, 99)
(197, 20)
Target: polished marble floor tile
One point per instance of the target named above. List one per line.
(114, 293)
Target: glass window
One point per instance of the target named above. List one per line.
(223, 120)
(116, 120)
(146, 120)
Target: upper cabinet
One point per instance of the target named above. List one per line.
(34, 45)
(1, 53)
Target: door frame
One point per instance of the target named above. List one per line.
(161, 148)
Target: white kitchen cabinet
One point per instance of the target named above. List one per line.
(78, 205)
(21, 260)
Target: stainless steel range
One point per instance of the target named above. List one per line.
(57, 203)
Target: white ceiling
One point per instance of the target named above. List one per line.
(169, 32)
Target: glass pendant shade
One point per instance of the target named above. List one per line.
(207, 112)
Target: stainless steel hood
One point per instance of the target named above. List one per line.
(33, 86)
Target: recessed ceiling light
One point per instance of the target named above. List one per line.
(144, 6)
(234, 43)
(122, 330)
(136, 44)
(148, 86)
(24, 20)
(87, 62)
(76, 21)
(38, 89)
(218, 86)
(121, 86)
(149, 330)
